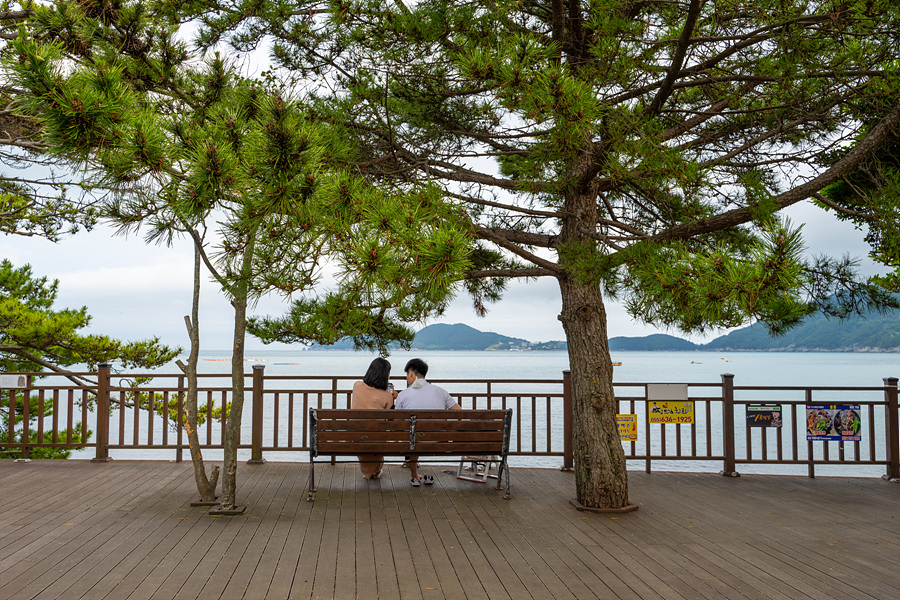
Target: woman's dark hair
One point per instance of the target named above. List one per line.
(378, 374)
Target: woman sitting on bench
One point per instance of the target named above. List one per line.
(373, 393)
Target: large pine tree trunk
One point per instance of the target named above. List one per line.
(600, 478)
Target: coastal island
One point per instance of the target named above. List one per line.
(875, 333)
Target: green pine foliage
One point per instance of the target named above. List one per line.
(277, 173)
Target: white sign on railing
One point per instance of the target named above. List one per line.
(667, 391)
(12, 381)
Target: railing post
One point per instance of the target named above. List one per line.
(334, 403)
(568, 416)
(728, 424)
(892, 426)
(179, 425)
(26, 421)
(102, 455)
(256, 457)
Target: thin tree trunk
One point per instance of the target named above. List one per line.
(233, 424)
(205, 486)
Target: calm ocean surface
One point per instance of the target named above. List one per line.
(748, 368)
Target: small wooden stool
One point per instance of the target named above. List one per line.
(481, 467)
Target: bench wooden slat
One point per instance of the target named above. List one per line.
(459, 436)
(459, 425)
(367, 436)
(356, 448)
(456, 448)
(363, 426)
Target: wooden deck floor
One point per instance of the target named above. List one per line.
(124, 530)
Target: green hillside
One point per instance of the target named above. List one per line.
(441, 336)
(657, 341)
(876, 333)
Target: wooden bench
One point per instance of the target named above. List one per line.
(433, 433)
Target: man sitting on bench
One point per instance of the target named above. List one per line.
(422, 395)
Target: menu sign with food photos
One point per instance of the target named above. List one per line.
(833, 422)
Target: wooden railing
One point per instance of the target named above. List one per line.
(125, 418)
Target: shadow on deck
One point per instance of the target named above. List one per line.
(125, 530)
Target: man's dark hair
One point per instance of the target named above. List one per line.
(378, 374)
(417, 366)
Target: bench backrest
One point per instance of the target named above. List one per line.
(402, 432)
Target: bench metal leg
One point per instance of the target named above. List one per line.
(312, 480)
(501, 470)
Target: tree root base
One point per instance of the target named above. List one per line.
(256, 461)
(218, 511)
(625, 509)
(204, 503)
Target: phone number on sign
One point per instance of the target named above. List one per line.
(671, 419)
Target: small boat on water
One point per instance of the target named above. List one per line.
(617, 364)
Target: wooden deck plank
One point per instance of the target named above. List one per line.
(129, 574)
(268, 570)
(127, 533)
(455, 498)
(345, 559)
(500, 534)
(309, 545)
(365, 549)
(751, 518)
(59, 544)
(395, 487)
(386, 573)
(127, 540)
(45, 516)
(680, 532)
(256, 495)
(587, 573)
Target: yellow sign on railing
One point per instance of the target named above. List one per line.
(671, 412)
(627, 427)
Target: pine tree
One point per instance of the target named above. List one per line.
(35, 337)
(264, 185)
(637, 150)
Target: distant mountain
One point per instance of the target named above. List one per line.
(657, 341)
(442, 336)
(876, 333)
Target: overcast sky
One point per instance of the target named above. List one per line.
(135, 291)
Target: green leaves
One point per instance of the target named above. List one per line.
(676, 286)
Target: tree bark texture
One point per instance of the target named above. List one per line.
(205, 486)
(601, 480)
(600, 477)
(233, 424)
